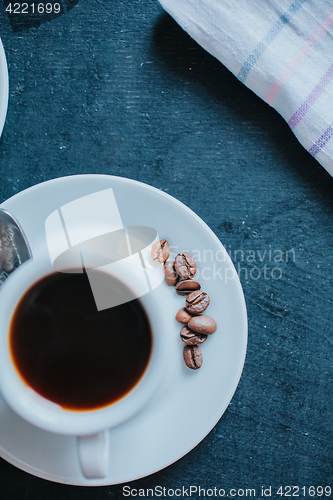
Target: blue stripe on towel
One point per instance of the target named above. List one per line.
(273, 32)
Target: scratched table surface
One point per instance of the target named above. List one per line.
(116, 87)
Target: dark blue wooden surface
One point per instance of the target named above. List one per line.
(116, 87)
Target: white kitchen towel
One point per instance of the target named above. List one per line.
(280, 49)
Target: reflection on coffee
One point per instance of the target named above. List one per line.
(72, 354)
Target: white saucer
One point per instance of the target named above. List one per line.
(189, 403)
(3, 87)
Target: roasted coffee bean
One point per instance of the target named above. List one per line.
(160, 251)
(190, 337)
(185, 287)
(183, 316)
(202, 324)
(185, 265)
(192, 356)
(197, 302)
(170, 275)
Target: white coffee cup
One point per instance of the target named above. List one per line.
(90, 426)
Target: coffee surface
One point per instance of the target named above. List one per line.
(72, 354)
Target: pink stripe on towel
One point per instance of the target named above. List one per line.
(298, 58)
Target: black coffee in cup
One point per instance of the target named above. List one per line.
(71, 353)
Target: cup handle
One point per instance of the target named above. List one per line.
(94, 454)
